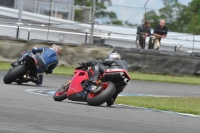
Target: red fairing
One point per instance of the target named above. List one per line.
(75, 85)
(117, 70)
(36, 63)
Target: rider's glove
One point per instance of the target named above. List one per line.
(83, 64)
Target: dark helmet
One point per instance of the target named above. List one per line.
(114, 55)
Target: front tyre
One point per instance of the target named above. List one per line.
(14, 73)
(61, 94)
(108, 91)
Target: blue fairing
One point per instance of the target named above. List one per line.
(26, 53)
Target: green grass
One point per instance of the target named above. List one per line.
(64, 70)
(4, 65)
(165, 78)
(189, 105)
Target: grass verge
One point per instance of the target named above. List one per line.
(189, 105)
(64, 70)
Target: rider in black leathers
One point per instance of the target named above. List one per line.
(112, 62)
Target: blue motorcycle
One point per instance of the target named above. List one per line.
(23, 70)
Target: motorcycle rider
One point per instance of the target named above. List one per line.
(98, 67)
(47, 60)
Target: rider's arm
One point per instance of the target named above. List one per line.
(35, 50)
(125, 65)
(89, 63)
(107, 62)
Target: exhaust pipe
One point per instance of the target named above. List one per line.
(117, 75)
(122, 74)
(123, 82)
(127, 81)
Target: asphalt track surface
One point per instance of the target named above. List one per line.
(23, 112)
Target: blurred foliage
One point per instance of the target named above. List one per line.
(179, 18)
(102, 14)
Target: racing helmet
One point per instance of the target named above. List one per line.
(114, 55)
(56, 48)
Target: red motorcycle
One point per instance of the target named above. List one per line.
(79, 89)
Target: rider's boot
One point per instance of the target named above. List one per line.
(39, 79)
(110, 102)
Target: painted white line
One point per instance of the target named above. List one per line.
(33, 92)
(145, 95)
(39, 91)
(156, 110)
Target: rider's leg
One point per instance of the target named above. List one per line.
(94, 73)
(112, 100)
(39, 77)
(102, 68)
(119, 90)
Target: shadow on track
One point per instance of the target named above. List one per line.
(85, 104)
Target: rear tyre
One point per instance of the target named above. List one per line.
(61, 94)
(105, 95)
(14, 73)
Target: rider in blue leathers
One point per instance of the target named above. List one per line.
(47, 60)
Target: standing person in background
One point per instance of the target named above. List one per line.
(160, 31)
(142, 32)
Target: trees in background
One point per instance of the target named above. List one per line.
(102, 15)
(193, 17)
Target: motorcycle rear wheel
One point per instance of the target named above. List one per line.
(14, 73)
(98, 99)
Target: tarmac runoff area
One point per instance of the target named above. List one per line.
(22, 112)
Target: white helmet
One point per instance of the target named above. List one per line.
(56, 48)
(114, 55)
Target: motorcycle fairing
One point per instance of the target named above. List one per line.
(75, 85)
(117, 70)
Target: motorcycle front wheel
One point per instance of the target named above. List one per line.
(61, 94)
(14, 73)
